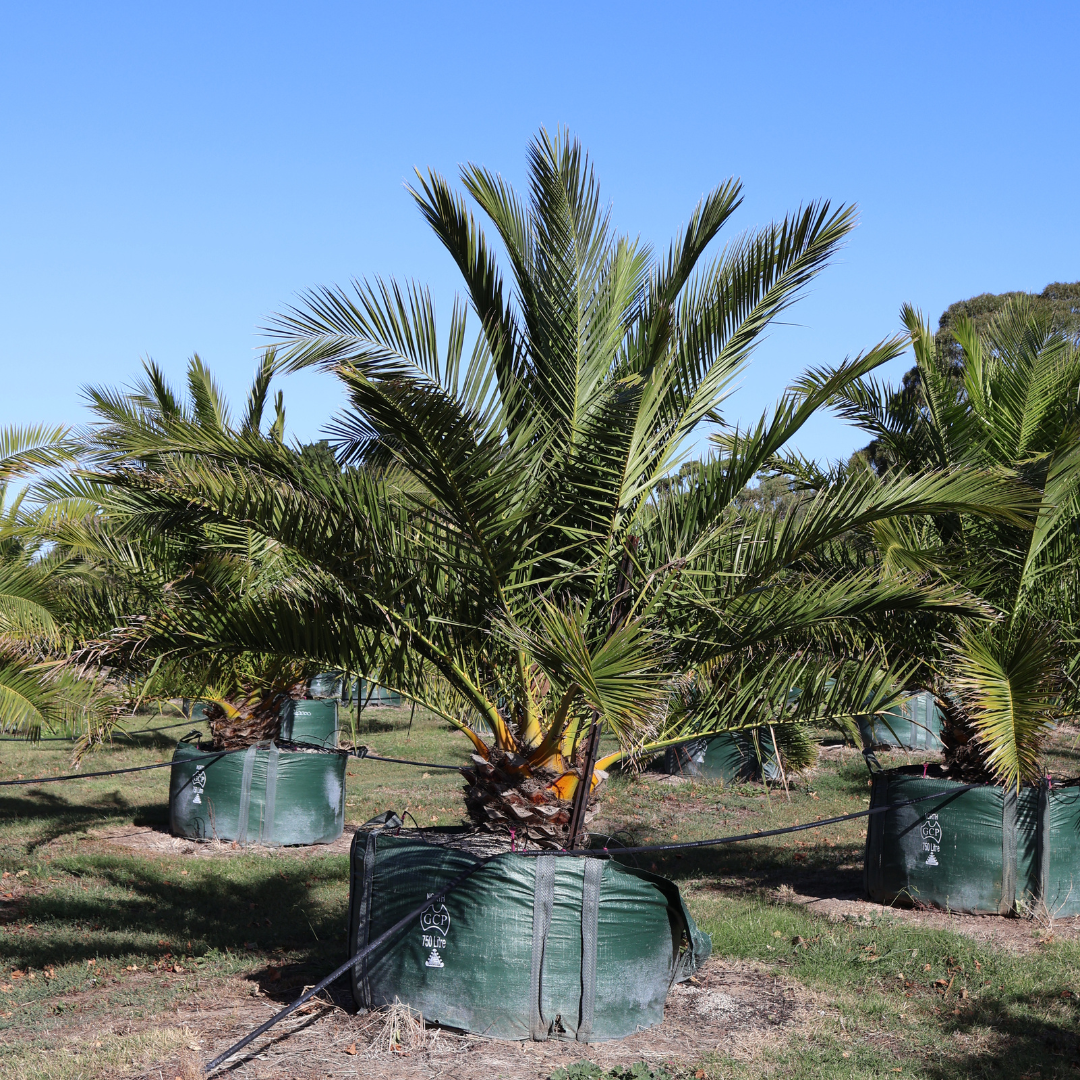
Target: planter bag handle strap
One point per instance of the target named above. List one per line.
(245, 794)
(543, 904)
(363, 930)
(872, 764)
(1044, 842)
(590, 922)
(267, 833)
(245, 791)
(288, 719)
(1008, 851)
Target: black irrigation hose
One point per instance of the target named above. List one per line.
(111, 772)
(595, 853)
(217, 754)
(716, 842)
(119, 731)
(366, 756)
(351, 962)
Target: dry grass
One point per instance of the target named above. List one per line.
(103, 1057)
(142, 946)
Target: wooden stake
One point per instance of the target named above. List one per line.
(779, 762)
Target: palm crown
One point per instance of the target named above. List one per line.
(503, 541)
(1009, 405)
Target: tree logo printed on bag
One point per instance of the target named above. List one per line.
(931, 837)
(198, 782)
(435, 920)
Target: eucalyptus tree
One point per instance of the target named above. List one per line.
(501, 539)
(1010, 406)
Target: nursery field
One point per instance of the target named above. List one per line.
(125, 952)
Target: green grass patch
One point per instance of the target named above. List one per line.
(88, 931)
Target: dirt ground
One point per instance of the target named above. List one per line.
(153, 840)
(732, 1008)
(1015, 934)
(823, 894)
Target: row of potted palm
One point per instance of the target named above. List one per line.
(508, 529)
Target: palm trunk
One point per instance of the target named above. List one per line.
(237, 725)
(964, 758)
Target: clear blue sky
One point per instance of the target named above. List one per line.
(173, 174)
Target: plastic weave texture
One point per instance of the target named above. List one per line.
(729, 757)
(915, 724)
(987, 850)
(259, 795)
(530, 947)
(314, 722)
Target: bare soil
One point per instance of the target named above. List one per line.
(733, 1008)
(152, 840)
(1018, 935)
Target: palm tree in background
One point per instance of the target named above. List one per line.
(115, 574)
(37, 690)
(1005, 400)
(500, 538)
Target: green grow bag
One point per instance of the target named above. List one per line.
(326, 685)
(729, 757)
(369, 693)
(529, 947)
(194, 710)
(982, 851)
(314, 722)
(915, 724)
(332, 684)
(258, 795)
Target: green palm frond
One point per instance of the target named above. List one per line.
(30, 449)
(504, 531)
(1010, 685)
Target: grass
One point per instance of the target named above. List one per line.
(92, 932)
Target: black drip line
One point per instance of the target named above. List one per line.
(119, 731)
(595, 853)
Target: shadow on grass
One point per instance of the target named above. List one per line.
(237, 905)
(752, 867)
(55, 816)
(163, 741)
(1021, 1045)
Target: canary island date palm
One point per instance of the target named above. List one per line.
(115, 575)
(37, 690)
(502, 541)
(1010, 405)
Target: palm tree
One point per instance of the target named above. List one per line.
(113, 576)
(1010, 405)
(503, 542)
(36, 690)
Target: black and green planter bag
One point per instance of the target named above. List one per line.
(984, 850)
(313, 722)
(529, 947)
(261, 795)
(730, 757)
(914, 724)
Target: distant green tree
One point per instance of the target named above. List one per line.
(1060, 301)
(770, 495)
(1057, 306)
